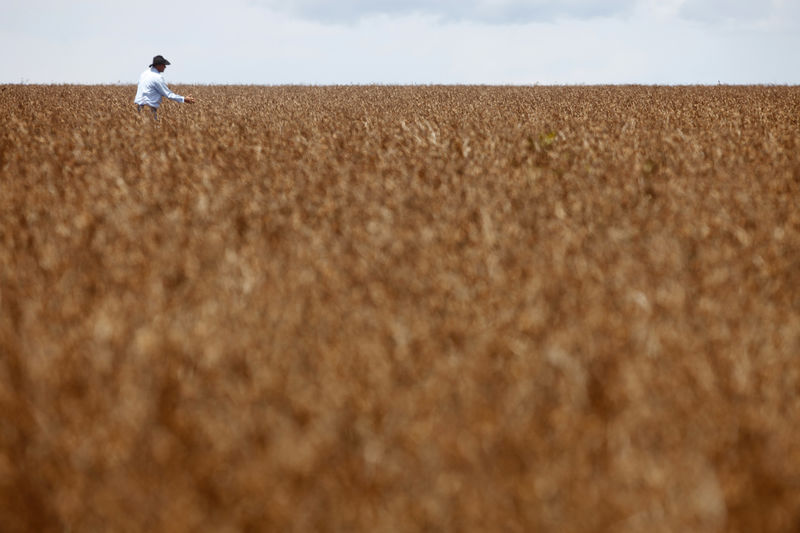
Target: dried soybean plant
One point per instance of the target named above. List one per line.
(400, 308)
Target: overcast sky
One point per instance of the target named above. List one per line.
(403, 41)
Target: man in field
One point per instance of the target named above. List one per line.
(152, 87)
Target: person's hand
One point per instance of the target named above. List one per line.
(188, 99)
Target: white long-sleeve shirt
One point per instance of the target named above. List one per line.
(152, 87)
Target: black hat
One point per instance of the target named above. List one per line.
(159, 60)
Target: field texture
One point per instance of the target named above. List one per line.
(375, 308)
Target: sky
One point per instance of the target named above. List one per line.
(521, 42)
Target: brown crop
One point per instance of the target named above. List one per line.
(385, 308)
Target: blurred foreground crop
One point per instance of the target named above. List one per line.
(400, 309)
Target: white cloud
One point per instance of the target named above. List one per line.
(772, 12)
(713, 10)
(487, 11)
(755, 13)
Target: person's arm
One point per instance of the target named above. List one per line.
(164, 91)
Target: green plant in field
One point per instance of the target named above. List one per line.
(547, 139)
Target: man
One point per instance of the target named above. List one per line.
(152, 87)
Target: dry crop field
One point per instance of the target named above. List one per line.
(388, 308)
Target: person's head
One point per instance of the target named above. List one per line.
(159, 63)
